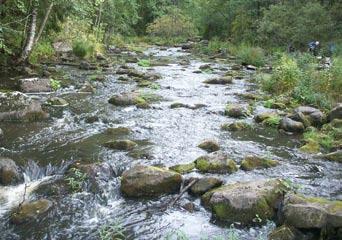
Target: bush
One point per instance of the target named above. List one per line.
(173, 24)
(82, 49)
(284, 78)
(42, 51)
(249, 55)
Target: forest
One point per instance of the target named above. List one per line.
(171, 119)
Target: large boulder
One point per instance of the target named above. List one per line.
(30, 211)
(246, 202)
(204, 185)
(335, 113)
(216, 162)
(289, 125)
(308, 212)
(16, 106)
(148, 181)
(35, 85)
(285, 233)
(255, 162)
(10, 173)
(209, 146)
(134, 98)
(309, 114)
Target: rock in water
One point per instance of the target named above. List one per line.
(236, 111)
(307, 213)
(35, 85)
(246, 203)
(148, 181)
(183, 168)
(290, 125)
(255, 162)
(222, 80)
(309, 114)
(204, 185)
(209, 146)
(216, 162)
(16, 106)
(125, 145)
(30, 211)
(9, 172)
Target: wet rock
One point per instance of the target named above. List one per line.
(134, 98)
(148, 181)
(35, 85)
(263, 116)
(10, 173)
(31, 211)
(124, 145)
(204, 185)
(285, 233)
(98, 78)
(57, 101)
(179, 105)
(189, 206)
(91, 119)
(255, 162)
(236, 111)
(118, 131)
(235, 126)
(101, 57)
(334, 156)
(308, 213)
(335, 113)
(84, 65)
(221, 80)
(289, 125)
(52, 188)
(313, 115)
(209, 146)
(242, 202)
(1, 134)
(187, 46)
(311, 147)
(87, 88)
(216, 162)
(183, 168)
(236, 67)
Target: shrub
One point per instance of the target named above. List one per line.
(251, 55)
(173, 24)
(144, 63)
(82, 49)
(284, 78)
(42, 51)
(55, 84)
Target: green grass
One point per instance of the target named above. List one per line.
(114, 231)
(42, 51)
(55, 84)
(144, 63)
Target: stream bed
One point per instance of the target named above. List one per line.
(165, 136)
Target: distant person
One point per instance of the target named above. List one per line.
(313, 47)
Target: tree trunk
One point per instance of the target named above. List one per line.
(30, 40)
(42, 27)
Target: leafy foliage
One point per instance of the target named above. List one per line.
(75, 179)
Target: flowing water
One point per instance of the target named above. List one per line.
(165, 136)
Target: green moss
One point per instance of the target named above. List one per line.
(205, 165)
(236, 126)
(254, 162)
(125, 145)
(183, 168)
(272, 121)
(311, 147)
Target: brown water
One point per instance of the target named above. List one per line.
(169, 136)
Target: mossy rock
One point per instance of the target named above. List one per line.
(264, 116)
(221, 80)
(285, 233)
(311, 147)
(255, 162)
(30, 211)
(216, 162)
(209, 146)
(56, 101)
(204, 185)
(245, 202)
(235, 126)
(124, 145)
(10, 173)
(236, 111)
(178, 105)
(148, 181)
(118, 131)
(312, 212)
(183, 168)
